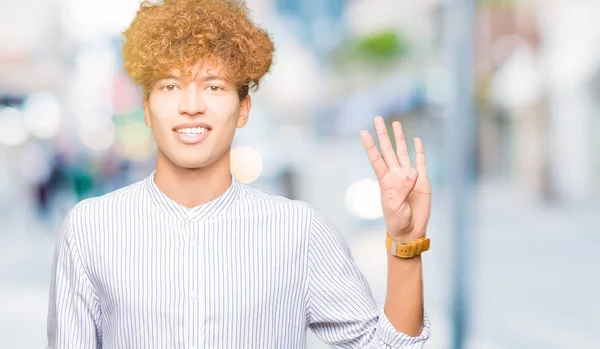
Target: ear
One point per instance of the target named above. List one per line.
(147, 111)
(245, 106)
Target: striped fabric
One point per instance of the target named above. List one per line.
(134, 269)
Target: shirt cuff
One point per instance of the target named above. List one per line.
(390, 336)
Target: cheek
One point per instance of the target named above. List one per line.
(161, 112)
(225, 109)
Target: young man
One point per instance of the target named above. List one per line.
(191, 258)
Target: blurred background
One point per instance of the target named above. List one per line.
(505, 94)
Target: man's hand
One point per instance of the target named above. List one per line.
(405, 192)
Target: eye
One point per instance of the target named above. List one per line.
(215, 88)
(169, 88)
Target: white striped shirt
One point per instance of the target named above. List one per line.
(134, 269)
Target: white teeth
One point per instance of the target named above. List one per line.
(192, 131)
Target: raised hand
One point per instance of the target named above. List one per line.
(405, 191)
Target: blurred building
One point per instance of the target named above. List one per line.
(537, 103)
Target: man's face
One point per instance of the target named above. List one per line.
(194, 117)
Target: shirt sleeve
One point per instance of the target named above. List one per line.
(73, 309)
(341, 309)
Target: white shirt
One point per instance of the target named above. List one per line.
(134, 269)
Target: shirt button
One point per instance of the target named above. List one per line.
(193, 295)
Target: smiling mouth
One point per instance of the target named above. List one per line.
(192, 135)
(192, 131)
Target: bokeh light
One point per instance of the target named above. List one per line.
(246, 164)
(13, 130)
(42, 115)
(98, 139)
(363, 199)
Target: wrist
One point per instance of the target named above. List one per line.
(407, 238)
(409, 248)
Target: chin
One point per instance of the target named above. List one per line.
(192, 163)
(190, 160)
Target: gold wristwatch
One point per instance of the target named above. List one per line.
(406, 249)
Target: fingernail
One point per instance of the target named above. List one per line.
(413, 174)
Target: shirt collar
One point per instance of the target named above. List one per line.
(211, 208)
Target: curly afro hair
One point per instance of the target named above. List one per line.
(179, 33)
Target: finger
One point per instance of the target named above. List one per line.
(385, 144)
(420, 161)
(379, 165)
(401, 148)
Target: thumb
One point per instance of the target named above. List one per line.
(408, 184)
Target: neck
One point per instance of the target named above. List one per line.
(191, 187)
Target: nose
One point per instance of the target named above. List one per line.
(191, 102)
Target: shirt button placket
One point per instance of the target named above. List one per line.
(188, 285)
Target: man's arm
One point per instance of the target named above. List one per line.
(406, 205)
(340, 307)
(73, 309)
(404, 298)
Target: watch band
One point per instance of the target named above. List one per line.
(407, 249)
